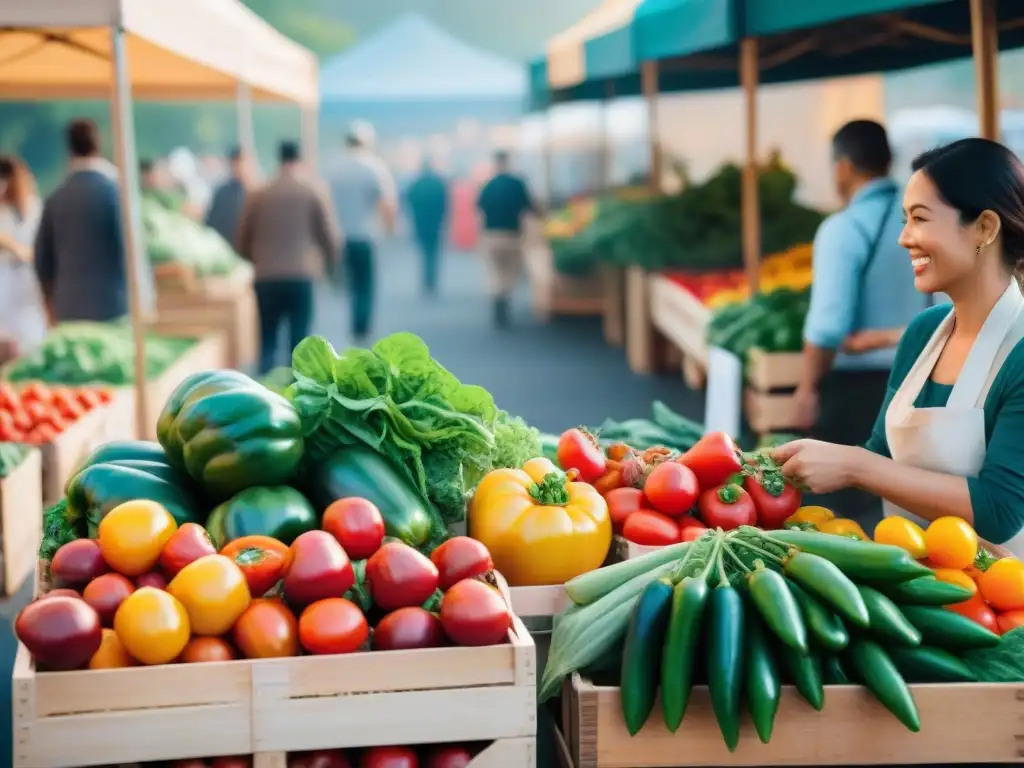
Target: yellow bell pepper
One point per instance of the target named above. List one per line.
(539, 526)
(843, 527)
(814, 515)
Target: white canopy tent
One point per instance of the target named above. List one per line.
(180, 49)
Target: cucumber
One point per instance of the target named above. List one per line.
(356, 471)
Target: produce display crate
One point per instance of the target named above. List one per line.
(681, 318)
(60, 458)
(613, 286)
(960, 723)
(768, 398)
(226, 304)
(557, 294)
(422, 696)
(627, 550)
(207, 353)
(538, 602)
(21, 521)
(502, 753)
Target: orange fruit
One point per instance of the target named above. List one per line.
(953, 576)
(1002, 585)
(952, 543)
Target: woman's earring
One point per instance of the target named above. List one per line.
(977, 251)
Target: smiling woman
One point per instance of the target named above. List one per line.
(945, 441)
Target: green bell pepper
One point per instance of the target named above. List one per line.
(97, 489)
(281, 513)
(230, 433)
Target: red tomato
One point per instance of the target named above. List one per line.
(319, 569)
(21, 421)
(262, 559)
(153, 579)
(692, 533)
(187, 544)
(460, 558)
(398, 575)
(772, 511)
(335, 625)
(324, 758)
(267, 630)
(106, 593)
(976, 610)
(67, 405)
(579, 450)
(63, 592)
(9, 399)
(411, 627)
(727, 508)
(89, 399)
(37, 411)
(389, 757)
(43, 434)
(203, 649)
(671, 489)
(234, 761)
(474, 613)
(36, 392)
(623, 502)
(650, 528)
(357, 525)
(77, 563)
(713, 459)
(447, 756)
(104, 395)
(1010, 620)
(6, 421)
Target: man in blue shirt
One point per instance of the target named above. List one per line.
(863, 281)
(503, 202)
(228, 201)
(428, 204)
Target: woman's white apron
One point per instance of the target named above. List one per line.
(951, 439)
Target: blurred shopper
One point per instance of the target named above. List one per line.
(428, 203)
(229, 198)
(80, 250)
(289, 234)
(156, 185)
(22, 314)
(863, 282)
(503, 202)
(365, 196)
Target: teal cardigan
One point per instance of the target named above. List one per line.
(997, 493)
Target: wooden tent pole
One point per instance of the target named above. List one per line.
(606, 140)
(751, 204)
(128, 190)
(985, 42)
(649, 86)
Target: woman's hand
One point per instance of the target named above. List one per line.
(868, 341)
(817, 466)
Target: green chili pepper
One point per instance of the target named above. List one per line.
(860, 560)
(926, 664)
(886, 619)
(873, 667)
(805, 670)
(926, 590)
(825, 581)
(640, 655)
(777, 606)
(684, 628)
(764, 685)
(833, 670)
(945, 629)
(725, 659)
(823, 625)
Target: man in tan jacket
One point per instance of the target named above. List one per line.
(289, 233)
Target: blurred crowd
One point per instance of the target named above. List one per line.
(63, 258)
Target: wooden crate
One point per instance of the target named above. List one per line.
(627, 550)
(138, 714)
(502, 753)
(768, 398)
(557, 294)
(613, 283)
(683, 320)
(21, 521)
(537, 602)
(398, 697)
(853, 729)
(60, 458)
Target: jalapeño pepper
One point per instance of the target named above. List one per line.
(771, 596)
(763, 683)
(684, 627)
(823, 625)
(725, 659)
(644, 641)
(860, 560)
(825, 581)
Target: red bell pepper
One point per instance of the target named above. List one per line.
(713, 459)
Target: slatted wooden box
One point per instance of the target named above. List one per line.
(683, 320)
(21, 521)
(768, 399)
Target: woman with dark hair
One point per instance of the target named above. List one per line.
(22, 316)
(947, 440)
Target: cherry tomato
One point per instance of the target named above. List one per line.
(9, 399)
(262, 559)
(37, 411)
(106, 593)
(952, 543)
(104, 395)
(36, 392)
(975, 609)
(474, 613)
(650, 528)
(447, 756)
(623, 502)
(89, 399)
(267, 630)
(389, 757)
(460, 558)
(20, 419)
(399, 575)
(771, 511)
(1002, 585)
(671, 489)
(186, 545)
(42, 434)
(357, 525)
(410, 627)
(1009, 621)
(727, 508)
(579, 450)
(77, 563)
(334, 625)
(319, 569)
(6, 422)
(203, 649)
(153, 579)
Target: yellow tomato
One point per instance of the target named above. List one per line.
(152, 625)
(842, 527)
(815, 515)
(214, 592)
(539, 527)
(131, 536)
(953, 576)
(111, 654)
(902, 533)
(1002, 585)
(952, 543)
